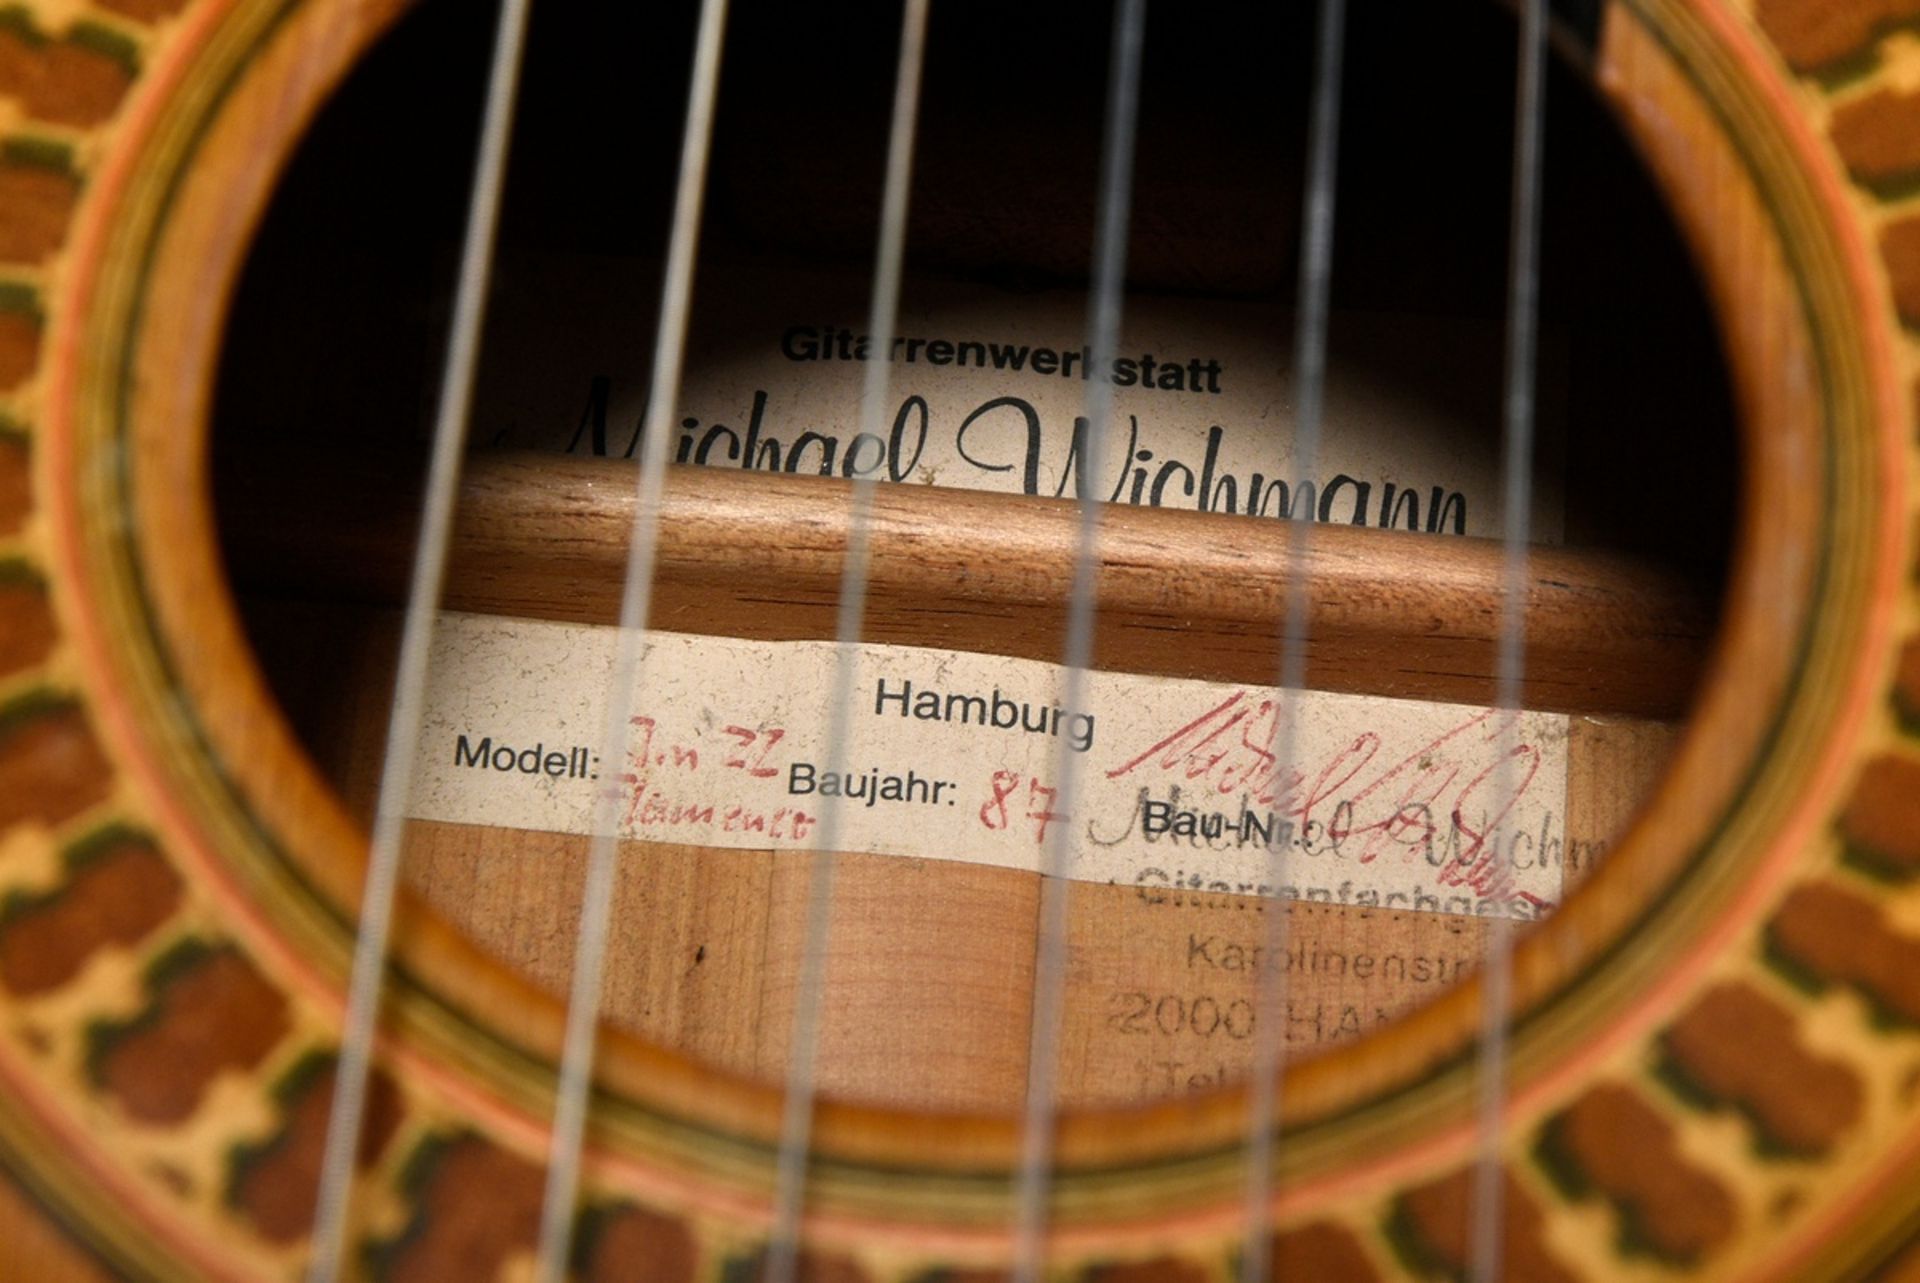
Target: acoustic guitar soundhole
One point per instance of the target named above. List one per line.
(326, 395)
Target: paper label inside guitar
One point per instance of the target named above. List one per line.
(988, 388)
(960, 756)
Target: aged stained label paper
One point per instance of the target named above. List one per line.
(958, 756)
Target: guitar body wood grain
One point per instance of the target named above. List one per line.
(1714, 1049)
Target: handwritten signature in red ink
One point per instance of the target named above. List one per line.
(1446, 800)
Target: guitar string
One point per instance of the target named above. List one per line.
(1310, 366)
(1485, 1242)
(348, 1106)
(1103, 329)
(796, 1121)
(636, 598)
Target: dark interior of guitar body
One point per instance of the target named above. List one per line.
(326, 393)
